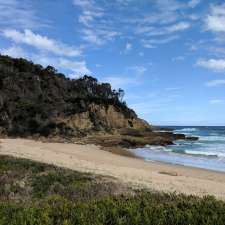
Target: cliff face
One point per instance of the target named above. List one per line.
(108, 117)
(39, 101)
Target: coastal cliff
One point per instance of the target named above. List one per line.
(40, 102)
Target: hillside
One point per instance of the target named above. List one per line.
(40, 102)
(37, 100)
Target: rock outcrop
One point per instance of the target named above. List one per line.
(108, 117)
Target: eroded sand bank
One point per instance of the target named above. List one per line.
(135, 172)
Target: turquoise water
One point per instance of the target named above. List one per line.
(208, 152)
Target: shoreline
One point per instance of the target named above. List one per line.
(136, 172)
(180, 164)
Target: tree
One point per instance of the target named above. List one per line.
(121, 94)
(50, 69)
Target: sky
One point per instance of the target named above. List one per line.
(167, 55)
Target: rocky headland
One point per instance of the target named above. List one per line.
(40, 103)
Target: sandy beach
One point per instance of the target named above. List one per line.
(131, 171)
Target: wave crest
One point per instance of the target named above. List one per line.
(186, 130)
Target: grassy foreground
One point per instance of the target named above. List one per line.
(33, 193)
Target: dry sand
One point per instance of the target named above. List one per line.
(132, 171)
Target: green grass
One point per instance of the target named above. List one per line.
(33, 193)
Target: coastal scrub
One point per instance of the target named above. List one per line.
(34, 193)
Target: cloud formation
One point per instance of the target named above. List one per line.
(77, 67)
(14, 51)
(19, 14)
(215, 20)
(95, 28)
(100, 25)
(194, 3)
(138, 70)
(217, 65)
(41, 42)
(128, 46)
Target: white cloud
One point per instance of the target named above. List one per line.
(215, 83)
(14, 51)
(215, 20)
(165, 12)
(178, 27)
(216, 101)
(45, 60)
(147, 44)
(217, 65)
(168, 5)
(151, 43)
(90, 11)
(41, 42)
(99, 36)
(128, 46)
(20, 14)
(102, 24)
(77, 67)
(194, 3)
(88, 17)
(139, 70)
(83, 3)
(163, 17)
(96, 30)
(163, 30)
(19, 52)
(91, 36)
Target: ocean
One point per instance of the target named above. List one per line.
(207, 153)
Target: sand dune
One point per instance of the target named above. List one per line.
(132, 171)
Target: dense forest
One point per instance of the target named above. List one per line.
(32, 97)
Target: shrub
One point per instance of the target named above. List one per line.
(54, 196)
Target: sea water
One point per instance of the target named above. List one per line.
(208, 152)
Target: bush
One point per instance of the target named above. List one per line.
(35, 194)
(141, 209)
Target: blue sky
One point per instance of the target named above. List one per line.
(168, 55)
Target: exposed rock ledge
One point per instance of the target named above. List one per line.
(135, 138)
(108, 127)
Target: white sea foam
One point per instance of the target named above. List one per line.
(203, 153)
(212, 138)
(156, 148)
(186, 130)
(206, 153)
(208, 150)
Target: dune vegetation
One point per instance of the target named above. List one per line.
(34, 193)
